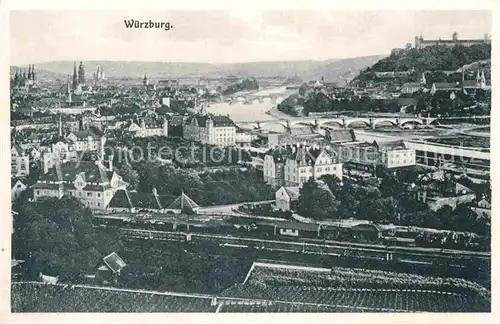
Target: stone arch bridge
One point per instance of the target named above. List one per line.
(342, 121)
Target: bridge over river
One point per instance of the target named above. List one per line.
(348, 121)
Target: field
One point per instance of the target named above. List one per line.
(271, 288)
(363, 290)
(35, 297)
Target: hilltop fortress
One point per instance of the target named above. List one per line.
(421, 43)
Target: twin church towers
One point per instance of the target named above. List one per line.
(78, 79)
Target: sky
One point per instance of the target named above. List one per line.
(229, 36)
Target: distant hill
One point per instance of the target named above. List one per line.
(41, 73)
(344, 69)
(331, 70)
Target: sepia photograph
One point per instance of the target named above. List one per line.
(250, 161)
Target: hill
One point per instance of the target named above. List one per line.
(433, 58)
(332, 70)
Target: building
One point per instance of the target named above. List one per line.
(411, 87)
(286, 198)
(367, 156)
(297, 135)
(110, 269)
(84, 141)
(395, 154)
(17, 189)
(70, 148)
(445, 86)
(304, 163)
(339, 136)
(420, 42)
(274, 166)
(133, 202)
(19, 162)
(147, 127)
(441, 193)
(242, 138)
(482, 208)
(392, 74)
(23, 80)
(90, 182)
(210, 129)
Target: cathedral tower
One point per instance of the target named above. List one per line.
(75, 76)
(81, 74)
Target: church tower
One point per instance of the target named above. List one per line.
(145, 80)
(23, 81)
(81, 74)
(75, 76)
(33, 74)
(29, 71)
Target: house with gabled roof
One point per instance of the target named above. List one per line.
(17, 188)
(305, 163)
(482, 208)
(286, 198)
(90, 182)
(133, 201)
(20, 161)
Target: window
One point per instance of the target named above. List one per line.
(38, 192)
(89, 194)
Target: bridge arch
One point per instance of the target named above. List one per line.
(338, 121)
(349, 122)
(376, 122)
(410, 120)
(302, 122)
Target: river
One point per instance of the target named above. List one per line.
(240, 112)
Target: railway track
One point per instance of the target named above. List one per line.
(320, 248)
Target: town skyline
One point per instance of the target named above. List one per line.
(228, 37)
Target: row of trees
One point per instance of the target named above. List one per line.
(182, 153)
(438, 104)
(217, 188)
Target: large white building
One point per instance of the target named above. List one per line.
(394, 154)
(305, 163)
(213, 130)
(148, 127)
(90, 182)
(292, 165)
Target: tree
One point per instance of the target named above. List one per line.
(128, 175)
(390, 186)
(56, 237)
(316, 202)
